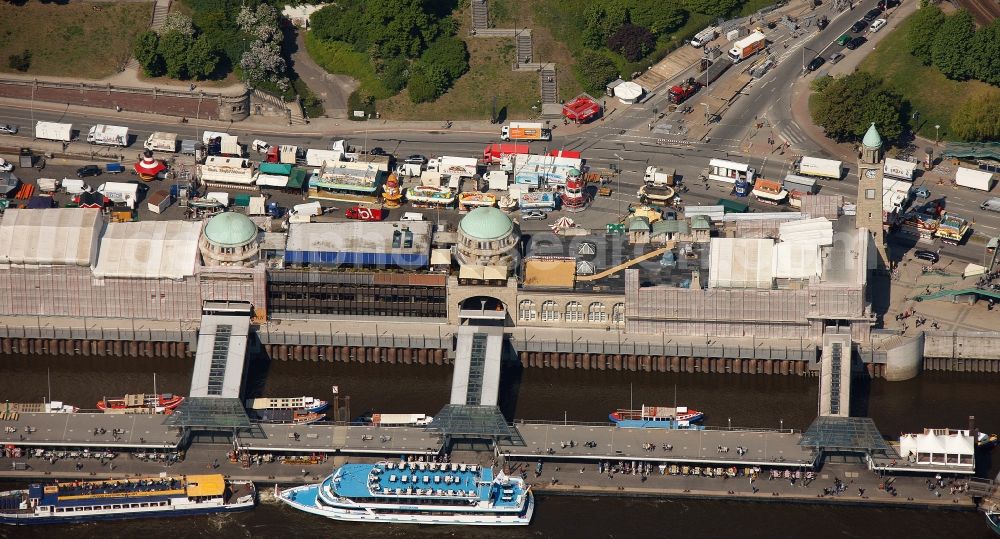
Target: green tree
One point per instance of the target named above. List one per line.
(715, 8)
(397, 27)
(978, 118)
(924, 25)
(845, 107)
(659, 17)
(145, 51)
(449, 54)
(427, 82)
(603, 18)
(395, 73)
(984, 59)
(173, 47)
(633, 42)
(953, 43)
(594, 71)
(202, 59)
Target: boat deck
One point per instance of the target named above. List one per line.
(365, 480)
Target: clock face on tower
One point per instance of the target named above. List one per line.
(871, 173)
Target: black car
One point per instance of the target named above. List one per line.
(88, 170)
(872, 15)
(377, 151)
(822, 23)
(856, 42)
(929, 256)
(859, 26)
(816, 62)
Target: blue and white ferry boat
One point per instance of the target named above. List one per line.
(85, 501)
(417, 493)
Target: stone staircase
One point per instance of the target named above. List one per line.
(480, 15)
(524, 50)
(547, 83)
(160, 11)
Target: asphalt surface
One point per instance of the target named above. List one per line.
(623, 139)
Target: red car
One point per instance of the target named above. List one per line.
(365, 214)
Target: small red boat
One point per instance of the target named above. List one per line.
(167, 401)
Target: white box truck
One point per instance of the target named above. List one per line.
(108, 135)
(974, 179)
(161, 142)
(653, 176)
(525, 131)
(54, 131)
(747, 47)
(823, 168)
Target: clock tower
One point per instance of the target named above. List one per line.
(869, 203)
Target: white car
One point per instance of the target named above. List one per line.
(877, 25)
(6, 166)
(534, 215)
(8, 129)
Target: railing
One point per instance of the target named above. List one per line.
(98, 334)
(552, 423)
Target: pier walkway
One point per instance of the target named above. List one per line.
(762, 447)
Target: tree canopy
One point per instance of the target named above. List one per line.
(846, 107)
(656, 16)
(924, 25)
(978, 118)
(631, 41)
(385, 28)
(984, 59)
(594, 71)
(715, 8)
(953, 43)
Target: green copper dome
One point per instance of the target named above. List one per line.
(485, 224)
(872, 138)
(230, 228)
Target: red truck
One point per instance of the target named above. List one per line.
(364, 214)
(494, 153)
(679, 93)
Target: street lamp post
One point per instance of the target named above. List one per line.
(937, 134)
(619, 188)
(706, 111)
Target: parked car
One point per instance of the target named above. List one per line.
(872, 15)
(88, 170)
(930, 256)
(6, 166)
(844, 40)
(416, 159)
(877, 25)
(836, 57)
(922, 192)
(859, 26)
(856, 42)
(377, 151)
(816, 63)
(8, 129)
(534, 215)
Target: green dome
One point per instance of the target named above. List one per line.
(872, 138)
(230, 228)
(486, 224)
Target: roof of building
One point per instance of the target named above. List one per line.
(486, 224)
(741, 263)
(360, 243)
(670, 226)
(60, 236)
(149, 250)
(230, 228)
(872, 138)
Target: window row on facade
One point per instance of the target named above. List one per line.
(574, 311)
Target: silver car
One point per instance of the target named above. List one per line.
(534, 215)
(8, 129)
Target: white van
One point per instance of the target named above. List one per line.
(412, 216)
(877, 25)
(991, 204)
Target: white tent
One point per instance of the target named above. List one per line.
(629, 92)
(741, 263)
(56, 236)
(149, 250)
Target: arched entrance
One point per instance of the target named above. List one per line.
(482, 309)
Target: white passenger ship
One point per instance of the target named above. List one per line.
(418, 493)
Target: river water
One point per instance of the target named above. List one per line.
(931, 400)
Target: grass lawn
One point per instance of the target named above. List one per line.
(341, 59)
(77, 39)
(931, 94)
(471, 98)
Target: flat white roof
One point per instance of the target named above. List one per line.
(222, 340)
(149, 250)
(741, 263)
(731, 165)
(55, 236)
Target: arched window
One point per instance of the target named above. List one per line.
(574, 311)
(618, 313)
(597, 313)
(549, 312)
(526, 310)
